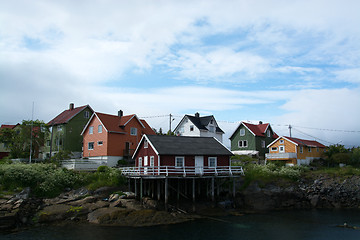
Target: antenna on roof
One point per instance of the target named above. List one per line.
(290, 127)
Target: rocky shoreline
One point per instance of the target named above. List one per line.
(107, 207)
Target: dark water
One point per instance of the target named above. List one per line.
(289, 225)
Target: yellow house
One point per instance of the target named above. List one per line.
(294, 150)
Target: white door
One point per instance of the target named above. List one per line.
(199, 164)
(145, 164)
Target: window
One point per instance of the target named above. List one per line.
(242, 132)
(309, 149)
(191, 128)
(317, 149)
(59, 128)
(281, 141)
(91, 146)
(243, 143)
(212, 161)
(146, 144)
(274, 149)
(211, 129)
(86, 114)
(262, 143)
(301, 149)
(268, 132)
(179, 161)
(133, 131)
(48, 143)
(140, 162)
(281, 149)
(100, 143)
(100, 129)
(91, 130)
(151, 161)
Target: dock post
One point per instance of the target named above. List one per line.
(193, 194)
(158, 189)
(166, 193)
(136, 190)
(141, 189)
(213, 189)
(234, 192)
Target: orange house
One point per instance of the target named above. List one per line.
(294, 150)
(113, 138)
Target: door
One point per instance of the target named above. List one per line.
(199, 165)
(145, 164)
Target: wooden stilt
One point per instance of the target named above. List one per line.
(158, 190)
(213, 189)
(141, 189)
(166, 193)
(193, 194)
(234, 192)
(136, 190)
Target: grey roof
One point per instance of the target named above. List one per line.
(176, 145)
(202, 122)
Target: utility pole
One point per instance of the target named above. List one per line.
(31, 131)
(170, 120)
(290, 127)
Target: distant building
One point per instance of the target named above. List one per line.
(65, 130)
(113, 137)
(294, 151)
(252, 139)
(196, 126)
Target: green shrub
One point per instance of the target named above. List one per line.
(105, 176)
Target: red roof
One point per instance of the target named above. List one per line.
(113, 123)
(259, 129)
(8, 126)
(309, 143)
(66, 115)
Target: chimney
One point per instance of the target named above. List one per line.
(197, 115)
(71, 107)
(120, 113)
(260, 122)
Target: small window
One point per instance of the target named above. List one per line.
(268, 132)
(263, 143)
(91, 130)
(242, 132)
(48, 143)
(211, 129)
(243, 143)
(91, 146)
(274, 149)
(100, 143)
(140, 162)
(59, 128)
(86, 114)
(301, 149)
(281, 149)
(212, 161)
(133, 131)
(309, 149)
(100, 129)
(281, 141)
(191, 128)
(317, 149)
(146, 144)
(151, 161)
(179, 161)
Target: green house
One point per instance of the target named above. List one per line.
(252, 139)
(65, 131)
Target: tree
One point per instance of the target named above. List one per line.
(28, 134)
(337, 153)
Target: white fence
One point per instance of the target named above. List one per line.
(280, 155)
(182, 171)
(83, 164)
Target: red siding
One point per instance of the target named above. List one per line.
(142, 152)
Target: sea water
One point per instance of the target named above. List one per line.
(289, 225)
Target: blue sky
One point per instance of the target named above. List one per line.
(283, 62)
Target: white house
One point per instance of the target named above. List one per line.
(196, 126)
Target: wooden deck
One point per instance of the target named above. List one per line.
(190, 172)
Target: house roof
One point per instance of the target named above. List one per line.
(175, 145)
(202, 122)
(9, 126)
(114, 123)
(67, 115)
(301, 142)
(256, 129)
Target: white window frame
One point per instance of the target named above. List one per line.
(146, 143)
(242, 131)
(152, 161)
(281, 149)
(100, 143)
(181, 159)
(140, 162)
(268, 133)
(309, 149)
(92, 143)
(133, 131)
(301, 149)
(281, 141)
(214, 159)
(91, 130)
(99, 128)
(191, 128)
(86, 114)
(244, 144)
(263, 143)
(273, 149)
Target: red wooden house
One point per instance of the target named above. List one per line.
(111, 137)
(175, 155)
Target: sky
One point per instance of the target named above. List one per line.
(284, 62)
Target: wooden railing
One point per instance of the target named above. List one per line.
(182, 171)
